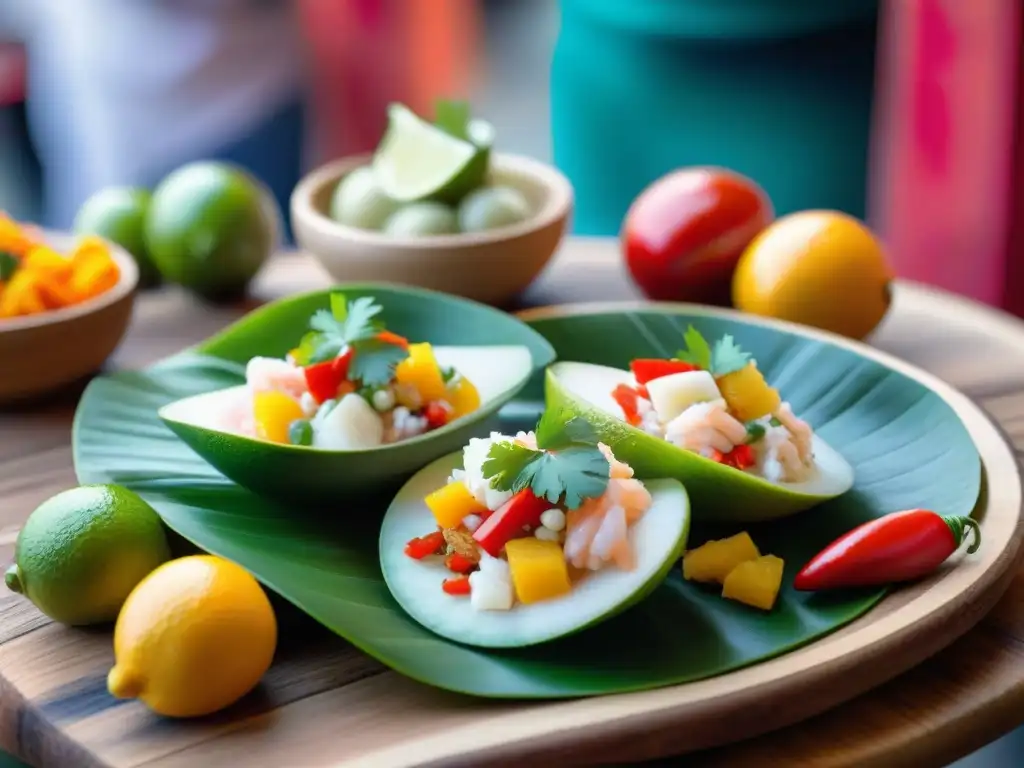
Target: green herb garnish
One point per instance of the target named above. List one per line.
(447, 374)
(755, 431)
(774, 422)
(300, 432)
(723, 358)
(8, 265)
(352, 325)
(568, 465)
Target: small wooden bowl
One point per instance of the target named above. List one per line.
(42, 353)
(491, 267)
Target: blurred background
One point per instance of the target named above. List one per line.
(903, 113)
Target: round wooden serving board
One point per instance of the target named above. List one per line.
(325, 704)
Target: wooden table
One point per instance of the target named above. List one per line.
(54, 710)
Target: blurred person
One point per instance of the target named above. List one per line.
(124, 91)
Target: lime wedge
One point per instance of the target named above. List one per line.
(420, 161)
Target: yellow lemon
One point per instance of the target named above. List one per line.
(819, 268)
(193, 637)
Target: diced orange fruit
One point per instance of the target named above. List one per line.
(421, 371)
(463, 397)
(714, 560)
(452, 503)
(273, 413)
(538, 568)
(747, 393)
(755, 582)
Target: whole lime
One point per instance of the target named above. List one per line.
(118, 214)
(82, 552)
(210, 228)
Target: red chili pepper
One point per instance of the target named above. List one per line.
(741, 457)
(902, 546)
(388, 337)
(456, 586)
(510, 521)
(645, 370)
(626, 397)
(457, 563)
(424, 546)
(437, 414)
(324, 379)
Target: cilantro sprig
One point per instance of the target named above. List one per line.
(8, 265)
(568, 466)
(352, 325)
(724, 357)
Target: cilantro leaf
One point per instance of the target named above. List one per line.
(697, 351)
(342, 325)
(373, 361)
(8, 265)
(727, 357)
(506, 466)
(452, 117)
(561, 429)
(577, 470)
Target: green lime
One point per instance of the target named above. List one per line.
(81, 552)
(427, 218)
(358, 201)
(118, 214)
(492, 207)
(210, 228)
(417, 160)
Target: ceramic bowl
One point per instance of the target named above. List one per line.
(42, 353)
(491, 267)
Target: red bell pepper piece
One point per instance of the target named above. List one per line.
(456, 586)
(387, 337)
(457, 563)
(436, 414)
(645, 370)
(626, 397)
(510, 521)
(902, 546)
(740, 457)
(324, 379)
(424, 546)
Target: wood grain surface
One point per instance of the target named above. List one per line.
(54, 710)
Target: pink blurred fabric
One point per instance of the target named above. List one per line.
(365, 54)
(944, 141)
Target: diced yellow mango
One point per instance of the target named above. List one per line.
(273, 413)
(452, 503)
(713, 561)
(463, 397)
(421, 371)
(755, 582)
(538, 569)
(747, 393)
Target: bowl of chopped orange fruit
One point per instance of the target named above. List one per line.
(65, 304)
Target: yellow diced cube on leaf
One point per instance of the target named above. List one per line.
(273, 413)
(421, 371)
(712, 561)
(747, 393)
(452, 503)
(538, 569)
(463, 397)
(755, 582)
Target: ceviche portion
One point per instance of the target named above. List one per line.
(349, 384)
(712, 399)
(521, 524)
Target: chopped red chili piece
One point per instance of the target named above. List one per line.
(645, 370)
(459, 563)
(627, 398)
(456, 586)
(437, 414)
(424, 546)
(741, 457)
(388, 337)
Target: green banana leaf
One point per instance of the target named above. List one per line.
(907, 446)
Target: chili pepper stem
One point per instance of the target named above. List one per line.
(960, 525)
